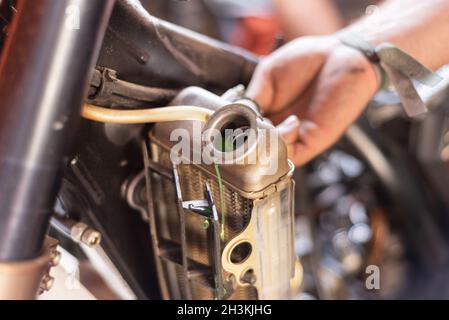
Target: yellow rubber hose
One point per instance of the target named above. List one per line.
(140, 116)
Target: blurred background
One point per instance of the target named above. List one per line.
(261, 25)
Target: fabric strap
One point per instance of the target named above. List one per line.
(398, 68)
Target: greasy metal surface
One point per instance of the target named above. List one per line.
(41, 100)
(22, 280)
(159, 54)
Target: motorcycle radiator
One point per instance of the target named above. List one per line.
(224, 233)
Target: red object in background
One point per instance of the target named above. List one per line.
(257, 34)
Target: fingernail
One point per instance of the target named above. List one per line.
(307, 126)
(290, 122)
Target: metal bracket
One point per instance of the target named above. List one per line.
(106, 89)
(201, 207)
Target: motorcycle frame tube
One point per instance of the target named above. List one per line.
(44, 72)
(156, 53)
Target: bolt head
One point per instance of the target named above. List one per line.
(91, 238)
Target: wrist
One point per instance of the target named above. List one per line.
(363, 49)
(401, 68)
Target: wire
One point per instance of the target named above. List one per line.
(166, 114)
(222, 206)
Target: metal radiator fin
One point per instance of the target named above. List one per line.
(192, 181)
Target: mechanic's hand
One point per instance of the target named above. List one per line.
(326, 84)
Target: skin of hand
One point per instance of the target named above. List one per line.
(327, 84)
(324, 83)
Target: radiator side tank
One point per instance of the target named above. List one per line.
(222, 231)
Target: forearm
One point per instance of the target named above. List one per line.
(299, 17)
(421, 28)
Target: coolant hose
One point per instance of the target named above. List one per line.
(165, 114)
